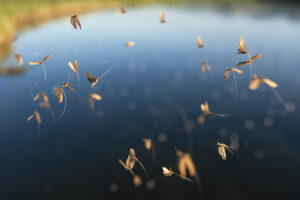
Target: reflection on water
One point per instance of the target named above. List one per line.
(159, 79)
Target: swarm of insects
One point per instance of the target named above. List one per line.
(256, 81)
(162, 17)
(199, 42)
(229, 70)
(19, 59)
(249, 62)
(242, 47)
(75, 21)
(41, 62)
(222, 151)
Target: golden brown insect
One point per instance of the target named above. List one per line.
(75, 21)
(147, 143)
(130, 44)
(201, 119)
(59, 94)
(248, 62)
(256, 81)
(41, 62)
(199, 42)
(222, 151)
(19, 59)
(74, 66)
(134, 159)
(94, 80)
(37, 117)
(137, 181)
(242, 47)
(205, 109)
(122, 10)
(185, 163)
(162, 17)
(128, 166)
(170, 172)
(229, 70)
(205, 65)
(93, 97)
(45, 102)
(67, 85)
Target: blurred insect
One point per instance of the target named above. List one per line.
(201, 119)
(67, 85)
(134, 159)
(162, 17)
(205, 65)
(130, 44)
(199, 42)
(37, 117)
(222, 151)
(249, 62)
(45, 102)
(129, 165)
(75, 21)
(169, 172)
(74, 66)
(242, 47)
(185, 163)
(137, 181)
(19, 59)
(148, 143)
(59, 94)
(94, 80)
(122, 10)
(41, 62)
(229, 70)
(93, 97)
(206, 111)
(256, 81)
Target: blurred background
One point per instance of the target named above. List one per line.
(154, 90)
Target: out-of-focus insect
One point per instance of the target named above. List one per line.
(133, 158)
(130, 44)
(205, 65)
(170, 172)
(162, 17)
(222, 151)
(206, 111)
(185, 163)
(199, 42)
(242, 47)
(59, 94)
(93, 97)
(248, 62)
(137, 181)
(229, 70)
(122, 10)
(37, 117)
(75, 21)
(19, 59)
(256, 81)
(201, 119)
(128, 166)
(74, 66)
(94, 80)
(45, 102)
(41, 62)
(67, 85)
(147, 143)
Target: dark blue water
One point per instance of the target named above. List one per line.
(158, 81)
